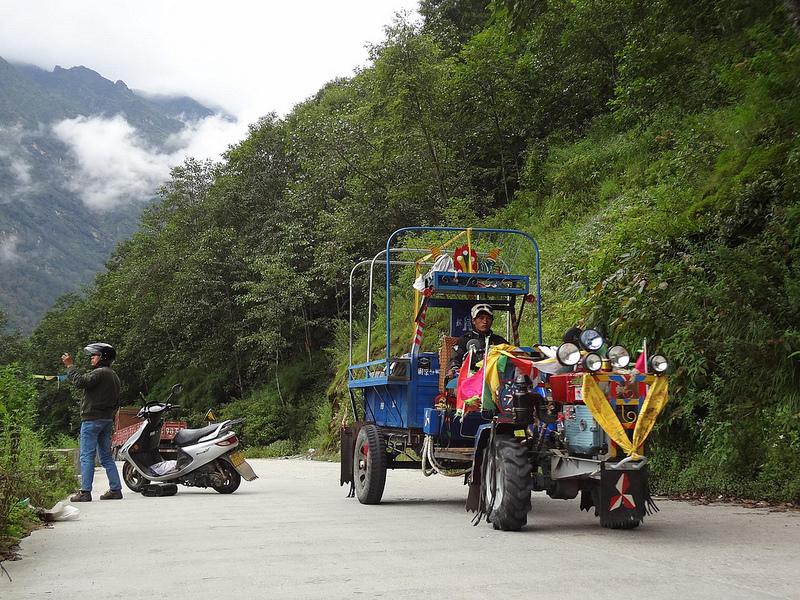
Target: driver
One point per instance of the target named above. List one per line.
(482, 318)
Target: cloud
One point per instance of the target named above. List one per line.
(207, 138)
(116, 165)
(13, 162)
(8, 249)
(21, 171)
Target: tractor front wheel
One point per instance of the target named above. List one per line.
(369, 465)
(507, 483)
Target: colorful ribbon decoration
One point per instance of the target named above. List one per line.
(434, 252)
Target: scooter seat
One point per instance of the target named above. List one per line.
(184, 437)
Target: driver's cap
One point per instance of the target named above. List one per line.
(481, 308)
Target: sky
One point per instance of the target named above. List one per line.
(244, 56)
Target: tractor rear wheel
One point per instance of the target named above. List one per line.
(369, 465)
(507, 483)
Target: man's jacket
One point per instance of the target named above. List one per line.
(100, 392)
(460, 347)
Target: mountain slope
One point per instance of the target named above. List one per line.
(54, 234)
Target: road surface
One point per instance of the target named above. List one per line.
(292, 533)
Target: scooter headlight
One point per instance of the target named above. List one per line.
(591, 340)
(619, 357)
(658, 364)
(568, 354)
(592, 362)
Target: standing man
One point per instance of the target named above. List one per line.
(99, 405)
(482, 319)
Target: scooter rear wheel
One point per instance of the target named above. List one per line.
(231, 480)
(132, 478)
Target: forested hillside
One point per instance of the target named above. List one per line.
(650, 146)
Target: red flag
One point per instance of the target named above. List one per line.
(641, 363)
(468, 386)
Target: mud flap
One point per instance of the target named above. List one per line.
(473, 496)
(624, 496)
(483, 437)
(246, 471)
(348, 442)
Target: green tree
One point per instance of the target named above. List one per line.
(12, 346)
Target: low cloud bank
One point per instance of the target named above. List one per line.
(116, 165)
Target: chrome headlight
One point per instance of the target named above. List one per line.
(658, 364)
(568, 354)
(619, 357)
(591, 340)
(592, 362)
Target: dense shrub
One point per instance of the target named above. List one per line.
(285, 412)
(25, 473)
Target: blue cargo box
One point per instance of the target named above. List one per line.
(390, 400)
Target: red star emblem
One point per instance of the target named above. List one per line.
(622, 499)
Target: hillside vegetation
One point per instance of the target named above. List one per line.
(651, 147)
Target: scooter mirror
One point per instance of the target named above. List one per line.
(177, 389)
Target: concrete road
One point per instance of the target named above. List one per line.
(293, 534)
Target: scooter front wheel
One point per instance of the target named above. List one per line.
(132, 478)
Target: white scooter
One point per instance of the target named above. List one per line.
(207, 457)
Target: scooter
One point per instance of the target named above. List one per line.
(207, 457)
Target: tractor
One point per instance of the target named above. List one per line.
(507, 418)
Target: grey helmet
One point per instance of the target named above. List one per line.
(106, 352)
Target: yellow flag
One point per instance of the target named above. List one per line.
(597, 403)
(601, 410)
(651, 407)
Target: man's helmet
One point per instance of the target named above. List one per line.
(106, 352)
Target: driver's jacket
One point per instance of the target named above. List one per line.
(460, 347)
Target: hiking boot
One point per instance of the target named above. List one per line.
(81, 497)
(112, 495)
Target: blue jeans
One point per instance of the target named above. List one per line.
(96, 438)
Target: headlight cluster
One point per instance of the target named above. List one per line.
(583, 346)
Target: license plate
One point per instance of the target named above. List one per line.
(236, 458)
